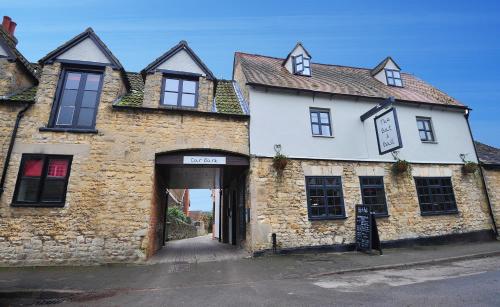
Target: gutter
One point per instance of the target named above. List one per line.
(11, 146)
(488, 200)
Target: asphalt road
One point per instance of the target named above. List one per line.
(461, 283)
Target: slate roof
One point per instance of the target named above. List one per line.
(335, 79)
(488, 155)
(136, 93)
(226, 99)
(11, 46)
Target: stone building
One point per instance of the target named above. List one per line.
(489, 161)
(89, 152)
(97, 147)
(336, 125)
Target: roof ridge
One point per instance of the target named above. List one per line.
(312, 63)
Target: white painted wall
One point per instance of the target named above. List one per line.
(380, 76)
(182, 61)
(283, 118)
(86, 50)
(216, 199)
(295, 52)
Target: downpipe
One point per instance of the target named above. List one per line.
(11, 146)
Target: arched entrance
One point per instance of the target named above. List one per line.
(222, 172)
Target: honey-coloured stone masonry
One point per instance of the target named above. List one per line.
(279, 204)
(108, 210)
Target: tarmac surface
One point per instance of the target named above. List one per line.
(457, 275)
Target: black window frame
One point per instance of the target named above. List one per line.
(82, 69)
(181, 79)
(43, 178)
(430, 130)
(387, 77)
(339, 188)
(318, 111)
(431, 202)
(380, 185)
(295, 63)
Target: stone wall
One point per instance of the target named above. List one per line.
(108, 212)
(178, 230)
(8, 114)
(279, 205)
(13, 78)
(153, 86)
(492, 178)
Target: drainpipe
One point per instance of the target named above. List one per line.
(11, 146)
(490, 209)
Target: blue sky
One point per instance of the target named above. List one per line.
(200, 200)
(454, 45)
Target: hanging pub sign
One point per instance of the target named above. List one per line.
(387, 129)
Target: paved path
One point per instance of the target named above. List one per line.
(196, 250)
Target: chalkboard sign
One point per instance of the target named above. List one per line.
(366, 230)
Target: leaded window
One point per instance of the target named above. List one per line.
(373, 194)
(320, 122)
(393, 77)
(179, 92)
(425, 130)
(42, 180)
(78, 98)
(302, 65)
(324, 198)
(435, 195)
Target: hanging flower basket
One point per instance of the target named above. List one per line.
(401, 166)
(280, 162)
(469, 167)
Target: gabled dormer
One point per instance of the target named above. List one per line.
(178, 79)
(85, 48)
(298, 61)
(88, 77)
(388, 72)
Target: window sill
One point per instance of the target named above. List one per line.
(178, 107)
(313, 219)
(37, 205)
(429, 142)
(439, 213)
(323, 136)
(71, 130)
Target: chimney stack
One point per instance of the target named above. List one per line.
(6, 23)
(12, 28)
(9, 27)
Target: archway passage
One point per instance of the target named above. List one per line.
(224, 173)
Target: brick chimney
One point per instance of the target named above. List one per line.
(9, 26)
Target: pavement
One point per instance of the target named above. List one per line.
(275, 280)
(196, 250)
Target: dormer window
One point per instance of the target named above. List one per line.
(393, 78)
(302, 65)
(180, 91)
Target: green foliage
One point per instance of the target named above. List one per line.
(176, 213)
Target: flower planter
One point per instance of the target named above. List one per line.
(401, 166)
(280, 163)
(469, 168)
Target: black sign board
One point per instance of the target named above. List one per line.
(366, 230)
